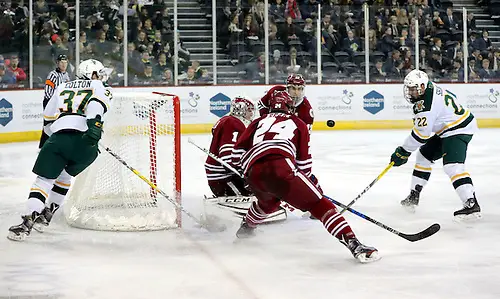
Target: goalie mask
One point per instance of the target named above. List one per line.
(295, 85)
(91, 69)
(281, 102)
(414, 86)
(243, 108)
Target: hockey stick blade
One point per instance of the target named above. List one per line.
(412, 237)
(431, 230)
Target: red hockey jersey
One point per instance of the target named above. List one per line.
(304, 110)
(224, 135)
(274, 134)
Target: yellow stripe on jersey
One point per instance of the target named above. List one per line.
(46, 117)
(423, 168)
(459, 176)
(420, 134)
(455, 123)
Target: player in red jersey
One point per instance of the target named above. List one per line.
(225, 132)
(273, 153)
(295, 85)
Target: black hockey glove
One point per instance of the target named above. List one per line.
(94, 132)
(400, 156)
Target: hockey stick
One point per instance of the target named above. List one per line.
(431, 230)
(369, 186)
(410, 237)
(283, 204)
(209, 223)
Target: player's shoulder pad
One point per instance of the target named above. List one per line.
(103, 94)
(425, 105)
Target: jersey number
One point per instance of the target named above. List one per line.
(450, 100)
(87, 95)
(283, 129)
(421, 121)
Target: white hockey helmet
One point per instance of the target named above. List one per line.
(414, 85)
(89, 67)
(243, 108)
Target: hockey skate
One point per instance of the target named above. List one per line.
(470, 211)
(245, 231)
(363, 253)
(411, 202)
(21, 231)
(45, 217)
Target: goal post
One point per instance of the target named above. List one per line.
(144, 129)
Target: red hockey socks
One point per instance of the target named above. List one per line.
(258, 212)
(334, 223)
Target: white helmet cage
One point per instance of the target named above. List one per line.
(89, 67)
(415, 80)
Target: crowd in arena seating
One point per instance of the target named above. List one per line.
(240, 31)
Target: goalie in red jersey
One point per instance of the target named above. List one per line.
(273, 154)
(225, 132)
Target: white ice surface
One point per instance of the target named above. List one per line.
(295, 259)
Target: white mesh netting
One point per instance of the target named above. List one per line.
(108, 196)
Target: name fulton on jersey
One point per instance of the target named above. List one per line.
(78, 84)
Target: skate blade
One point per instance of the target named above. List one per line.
(39, 227)
(13, 237)
(374, 256)
(468, 218)
(410, 209)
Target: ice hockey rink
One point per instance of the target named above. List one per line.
(295, 259)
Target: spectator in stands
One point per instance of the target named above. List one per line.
(457, 73)
(258, 11)
(485, 72)
(16, 70)
(471, 22)
(101, 45)
(437, 22)
(387, 44)
(402, 18)
(6, 76)
(379, 28)
(426, 31)
(378, 72)
(289, 31)
(351, 44)
(41, 10)
(331, 39)
(276, 64)
(326, 21)
(450, 22)
(205, 77)
(391, 62)
(277, 9)
(395, 27)
(423, 63)
(250, 28)
(347, 24)
(372, 40)
(397, 72)
(146, 77)
(451, 52)
(309, 9)
(405, 42)
(292, 10)
(473, 73)
(162, 65)
(191, 74)
(409, 63)
(167, 77)
(294, 63)
(273, 30)
(486, 40)
(438, 44)
(439, 64)
(198, 71)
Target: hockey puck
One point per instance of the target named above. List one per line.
(330, 123)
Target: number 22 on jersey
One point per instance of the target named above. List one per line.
(75, 102)
(281, 129)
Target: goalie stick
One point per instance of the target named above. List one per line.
(431, 230)
(209, 223)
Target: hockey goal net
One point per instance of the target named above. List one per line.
(144, 130)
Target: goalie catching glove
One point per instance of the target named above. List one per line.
(94, 132)
(400, 156)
